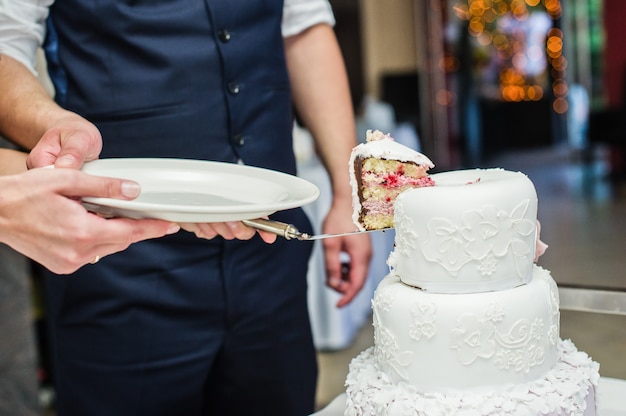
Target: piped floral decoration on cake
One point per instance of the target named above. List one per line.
(488, 235)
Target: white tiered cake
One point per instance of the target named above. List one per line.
(465, 323)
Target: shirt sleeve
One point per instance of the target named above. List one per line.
(22, 29)
(299, 15)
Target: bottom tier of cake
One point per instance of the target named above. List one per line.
(566, 390)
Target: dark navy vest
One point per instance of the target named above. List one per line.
(202, 79)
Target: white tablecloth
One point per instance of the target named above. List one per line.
(610, 400)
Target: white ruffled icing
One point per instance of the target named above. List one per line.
(567, 389)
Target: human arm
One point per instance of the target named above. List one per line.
(42, 218)
(40, 215)
(322, 98)
(31, 118)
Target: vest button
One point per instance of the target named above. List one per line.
(233, 88)
(238, 140)
(224, 35)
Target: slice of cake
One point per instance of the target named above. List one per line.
(380, 170)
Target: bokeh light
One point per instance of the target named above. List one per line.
(525, 55)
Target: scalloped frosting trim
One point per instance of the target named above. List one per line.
(562, 391)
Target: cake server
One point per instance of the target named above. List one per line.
(290, 232)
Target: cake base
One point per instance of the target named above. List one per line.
(566, 390)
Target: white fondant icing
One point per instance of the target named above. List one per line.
(474, 231)
(444, 342)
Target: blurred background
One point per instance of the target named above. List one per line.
(479, 77)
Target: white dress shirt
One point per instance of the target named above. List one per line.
(23, 24)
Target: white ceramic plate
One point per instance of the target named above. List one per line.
(182, 190)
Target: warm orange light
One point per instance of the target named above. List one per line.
(501, 7)
(476, 8)
(555, 44)
(559, 63)
(553, 7)
(513, 93)
(534, 93)
(555, 32)
(500, 40)
(560, 105)
(515, 84)
(556, 74)
(519, 10)
(559, 87)
(490, 16)
(449, 63)
(476, 26)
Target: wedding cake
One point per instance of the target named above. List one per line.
(466, 323)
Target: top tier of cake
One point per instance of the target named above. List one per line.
(474, 231)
